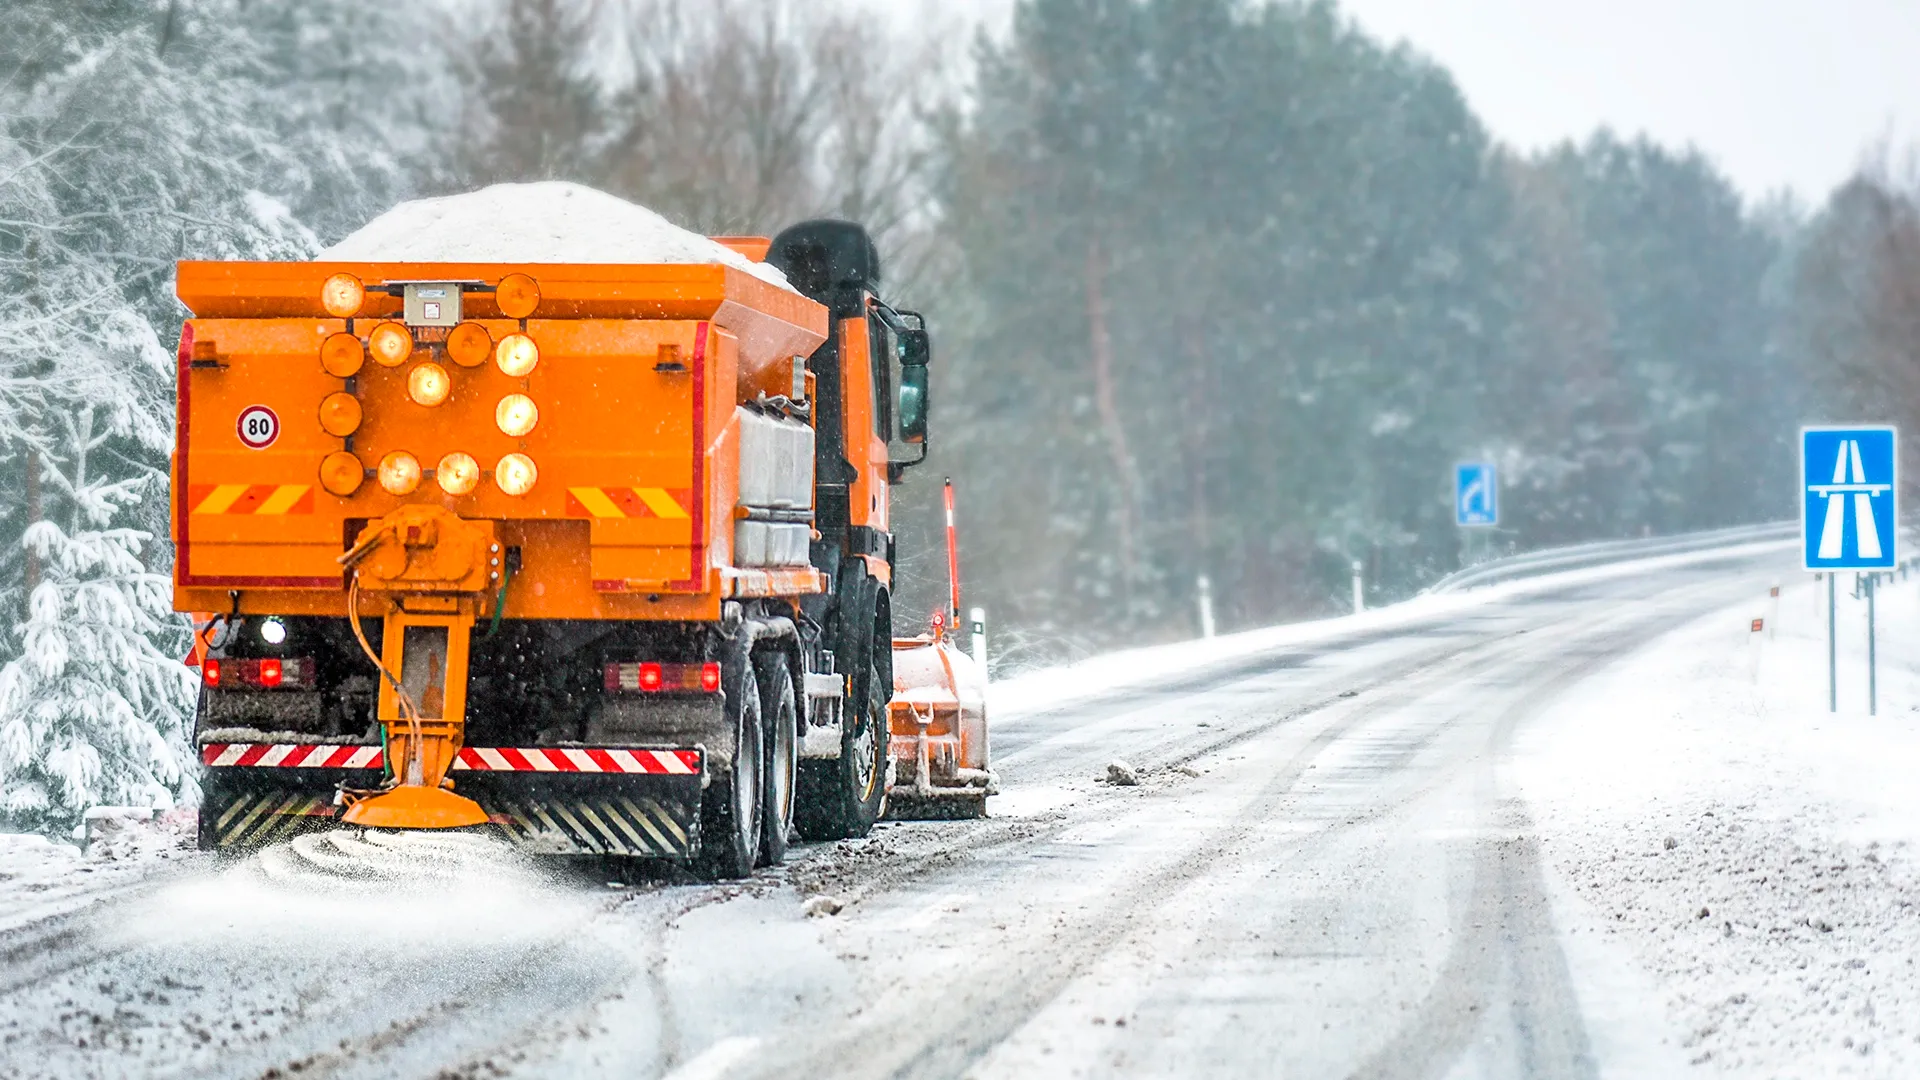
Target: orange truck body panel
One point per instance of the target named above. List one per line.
(641, 368)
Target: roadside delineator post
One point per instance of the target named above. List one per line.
(1205, 589)
(1359, 590)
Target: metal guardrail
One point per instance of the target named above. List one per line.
(1579, 556)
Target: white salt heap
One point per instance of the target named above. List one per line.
(550, 222)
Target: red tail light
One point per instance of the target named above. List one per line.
(652, 677)
(268, 673)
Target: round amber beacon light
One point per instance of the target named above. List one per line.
(469, 344)
(517, 296)
(340, 414)
(429, 384)
(341, 355)
(516, 415)
(517, 355)
(341, 473)
(515, 474)
(399, 473)
(457, 473)
(391, 344)
(342, 296)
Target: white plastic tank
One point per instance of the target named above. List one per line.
(776, 473)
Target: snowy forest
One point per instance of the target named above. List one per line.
(1218, 288)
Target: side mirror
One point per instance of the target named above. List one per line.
(916, 348)
(913, 403)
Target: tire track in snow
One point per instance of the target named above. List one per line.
(1506, 924)
(1031, 982)
(964, 1028)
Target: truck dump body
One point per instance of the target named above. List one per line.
(640, 371)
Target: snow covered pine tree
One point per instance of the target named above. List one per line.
(92, 712)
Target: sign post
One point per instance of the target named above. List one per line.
(1873, 668)
(1833, 669)
(1849, 515)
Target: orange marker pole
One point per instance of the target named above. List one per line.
(953, 561)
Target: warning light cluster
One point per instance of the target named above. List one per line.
(429, 385)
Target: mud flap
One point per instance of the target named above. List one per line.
(643, 816)
(654, 817)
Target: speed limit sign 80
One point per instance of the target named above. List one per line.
(258, 427)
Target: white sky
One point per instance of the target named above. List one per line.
(1780, 93)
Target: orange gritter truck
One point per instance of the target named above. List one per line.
(595, 554)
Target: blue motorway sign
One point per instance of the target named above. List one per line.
(1850, 491)
(1476, 495)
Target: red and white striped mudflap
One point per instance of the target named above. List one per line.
(579, 760)
(292, 756)
(471, 758)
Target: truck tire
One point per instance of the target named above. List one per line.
(842, 798)
(782, 753)
(213, 799)
(730, 808)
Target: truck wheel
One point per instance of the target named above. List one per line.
(782, 727)
(842, 798)
(213, 800)
(730, 809)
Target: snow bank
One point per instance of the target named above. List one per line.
(39, 878)
(550, 222)
(1758, 855)
(1038, 690)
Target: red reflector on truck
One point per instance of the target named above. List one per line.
(650, 677)
(267, 673)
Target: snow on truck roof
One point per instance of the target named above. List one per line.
(548, 222)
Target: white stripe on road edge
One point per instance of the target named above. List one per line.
(716, 1059)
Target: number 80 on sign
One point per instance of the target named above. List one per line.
(259, 427)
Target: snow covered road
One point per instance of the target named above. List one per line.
(1369, 850)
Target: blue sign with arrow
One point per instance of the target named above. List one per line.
(1476, 495)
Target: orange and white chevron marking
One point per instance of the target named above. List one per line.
(265, 500)
(668, 504)
(471, 758)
